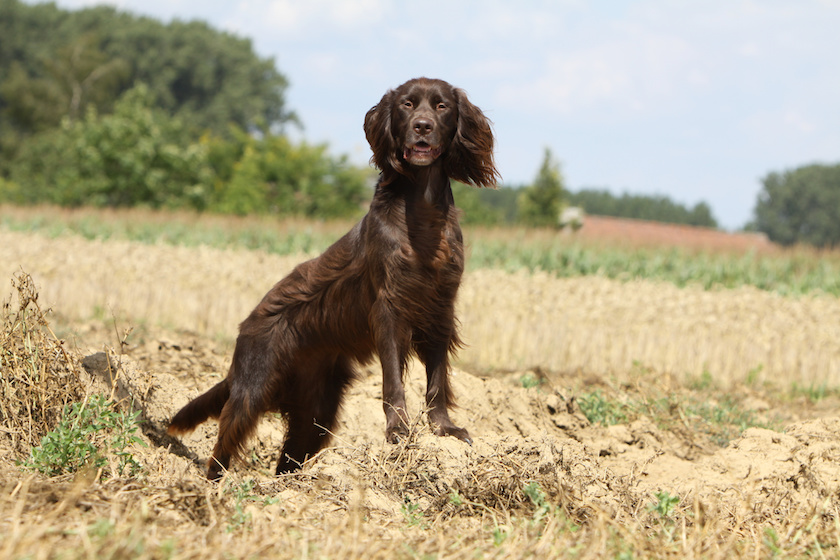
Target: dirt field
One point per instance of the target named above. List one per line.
(541, 480)
(643, 232)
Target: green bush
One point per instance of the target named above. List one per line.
(272, 175)
(88, 432)
(137, 156)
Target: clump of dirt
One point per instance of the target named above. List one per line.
(522, 436)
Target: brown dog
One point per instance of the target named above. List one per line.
(387, 287)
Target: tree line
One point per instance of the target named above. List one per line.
(105, 108)
(542, 202)
(100, 107)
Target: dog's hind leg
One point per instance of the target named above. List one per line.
(237, 423)
(313, 418)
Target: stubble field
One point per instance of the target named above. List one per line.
(619, 418)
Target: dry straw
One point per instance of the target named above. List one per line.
(509, 321)
(38, 376)
(541, 495)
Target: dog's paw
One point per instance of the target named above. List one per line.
(454, 431)
(395, 434)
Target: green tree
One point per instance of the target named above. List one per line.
(208, 77)
(74, 77)
(540, 203)
(136, 156)
(701, 215)
(211, 78)
(642, 207)
(272, 175)
(473, 208)
(801, 206)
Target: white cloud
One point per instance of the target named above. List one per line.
(633, 71)
(299, 18)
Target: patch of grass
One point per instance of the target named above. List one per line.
(599, 409)
(708, 410)
(289, 237)
(723, 419)
(664, 505)
(538, 499)
(813, 392)
(243, 492)
(529, 380)
(786, 272)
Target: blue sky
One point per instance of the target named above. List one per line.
(696, 100)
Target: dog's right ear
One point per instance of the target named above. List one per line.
(386, 152)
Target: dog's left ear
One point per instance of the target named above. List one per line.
(469, 158)
(381, 139)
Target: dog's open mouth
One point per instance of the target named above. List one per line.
(421, 153)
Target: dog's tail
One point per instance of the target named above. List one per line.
(208, 405)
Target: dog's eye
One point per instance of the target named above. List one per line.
(408, 104)
(441, 106)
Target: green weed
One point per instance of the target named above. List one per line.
(412, 514)
(538, 500)
(87, 434)
(813, 392)
(600, 410)
(665, 504)
(529, 381)
(242, 493)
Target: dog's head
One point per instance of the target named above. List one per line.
(428, 122)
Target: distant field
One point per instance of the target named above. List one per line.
(530, 298)
(645, 233)
(606, 247)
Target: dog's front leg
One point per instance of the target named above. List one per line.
(392, 346)
(438, 391)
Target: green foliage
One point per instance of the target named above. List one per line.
(722, 419)
(135, 156)
(801, 206)
(76, 76)
(88, 433)
(412, 514)
(642, 207)
(813, 392)
(540, 203)
(242, 493)
(538, 499)
(474, 209)
(50, 56)
(529, 381)
(710, 411)
(486, 206)
(665, 504)
(600, 410)
(11, 192)
(271, 175)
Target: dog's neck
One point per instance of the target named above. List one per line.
(433, 183)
